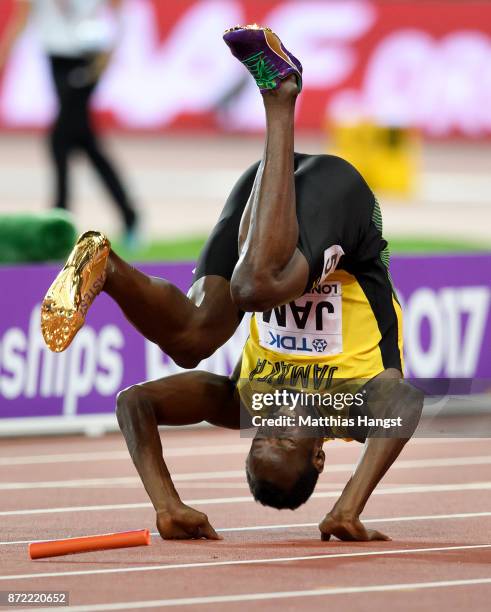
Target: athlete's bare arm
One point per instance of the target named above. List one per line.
(183, 399)
(396, 399)
(188, 328)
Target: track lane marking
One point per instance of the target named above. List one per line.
(123, 480)
(404, 490)
(191, 451)
(181, 566)
(217, 599)
(392, 519)
(403, 464)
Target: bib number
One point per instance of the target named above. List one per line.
(310, 326)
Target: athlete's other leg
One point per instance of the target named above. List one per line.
(271, 270)
(188, 328)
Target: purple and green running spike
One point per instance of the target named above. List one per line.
(263, 54)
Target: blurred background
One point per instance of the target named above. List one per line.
(183, 119)
(400, 88)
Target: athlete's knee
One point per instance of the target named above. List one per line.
(192, 348)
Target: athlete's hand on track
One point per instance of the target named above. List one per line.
(185, 523)
(348, 529)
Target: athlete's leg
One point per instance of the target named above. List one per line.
(188, 328)
(271, 270)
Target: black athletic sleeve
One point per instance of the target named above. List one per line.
(335, 207)
(221, 251)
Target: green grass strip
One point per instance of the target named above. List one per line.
(188, 249)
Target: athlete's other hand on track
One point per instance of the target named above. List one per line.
(349, 529)
(185, 523)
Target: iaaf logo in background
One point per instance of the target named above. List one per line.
(97, 365)
(402, 67)
(444, 331)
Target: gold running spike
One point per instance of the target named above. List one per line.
(68, 299)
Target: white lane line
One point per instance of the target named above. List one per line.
(404, 490)
(124, 480)
(181, 566)
(444, 440)
(402, 464)
(392, 519)
(189, 451)
(405, 464)
(217, 599)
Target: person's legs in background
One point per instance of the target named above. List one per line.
(60, 136)
(91, 145)
(72, 129)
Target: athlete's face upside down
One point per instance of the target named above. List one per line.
(283, 467)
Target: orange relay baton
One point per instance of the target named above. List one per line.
(70, 546)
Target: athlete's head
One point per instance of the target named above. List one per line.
(282, 469)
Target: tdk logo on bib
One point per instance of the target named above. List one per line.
(292, 344)
(312, 324)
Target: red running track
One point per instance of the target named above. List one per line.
(435, 504)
